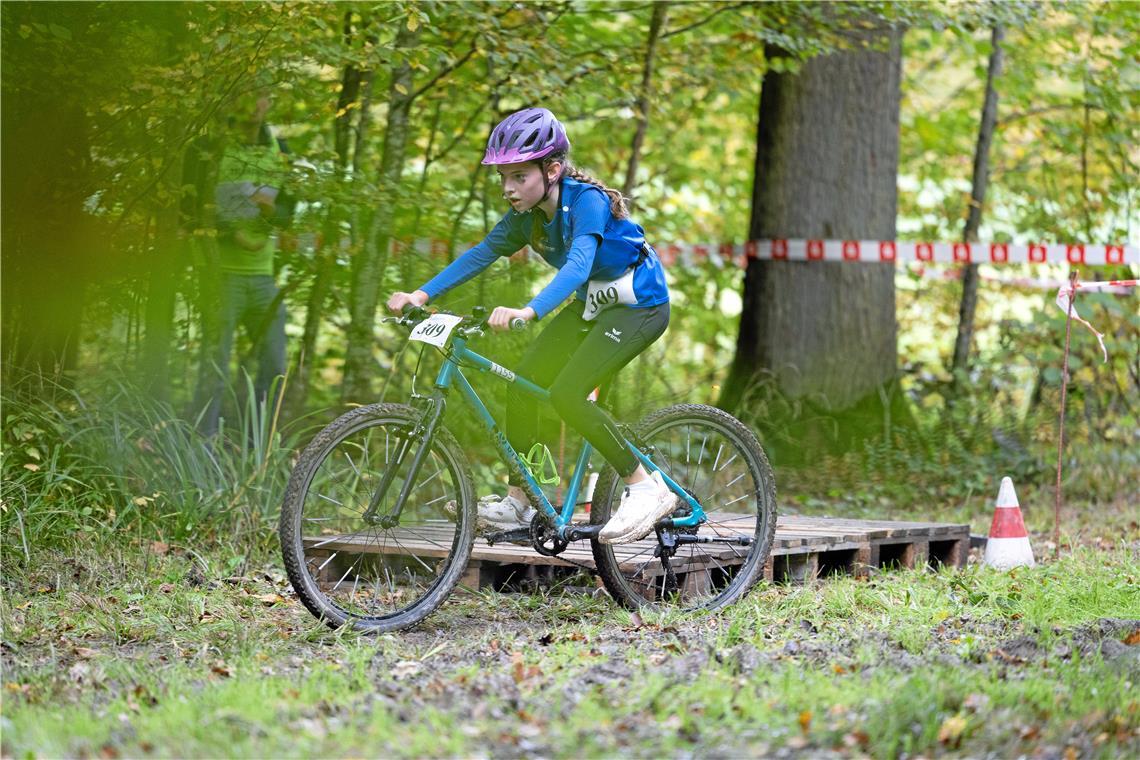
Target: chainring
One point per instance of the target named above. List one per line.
(542, 533)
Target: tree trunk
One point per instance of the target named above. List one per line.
(48, 247)
(175, 222)
(368, 272)
(166, 265)
(826, 167)
(969, 302)
(656, 24)
(347, 108)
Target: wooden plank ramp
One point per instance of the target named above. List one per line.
(805, 548)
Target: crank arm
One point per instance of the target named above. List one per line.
(516, 536)
(581, 532)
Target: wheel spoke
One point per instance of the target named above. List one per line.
(376, 575)
(703, 450)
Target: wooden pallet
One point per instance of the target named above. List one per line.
(804, 548)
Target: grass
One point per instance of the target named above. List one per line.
(154, 651)
(145, 613)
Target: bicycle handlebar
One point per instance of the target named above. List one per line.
(473, 324)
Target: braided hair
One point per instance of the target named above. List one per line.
(619, 206)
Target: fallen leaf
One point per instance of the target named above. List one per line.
(975, 702)
(1133, 638)
(158, 547)
(406, 668)
(221, 669)
(950, 734)
(32, 467)
(85, 653)
(145, 696)
(166, 588)
(270, 599)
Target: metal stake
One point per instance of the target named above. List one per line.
(1061, 425)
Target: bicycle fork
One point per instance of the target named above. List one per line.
(426, 434)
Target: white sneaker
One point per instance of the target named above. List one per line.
(640, 510)
(498, 513)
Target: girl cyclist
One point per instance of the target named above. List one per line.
(620, 307)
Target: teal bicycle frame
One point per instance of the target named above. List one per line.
(451, 374)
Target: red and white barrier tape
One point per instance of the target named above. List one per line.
(738, 254)
(893, 251)
(1065, 294)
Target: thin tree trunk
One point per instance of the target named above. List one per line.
(406, 266)
(969, 304)
(368, 274)
(656, 24)
(348, 108)
(167, 261)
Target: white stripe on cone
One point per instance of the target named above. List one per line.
(1008, 544)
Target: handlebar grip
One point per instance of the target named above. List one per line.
(518, 323)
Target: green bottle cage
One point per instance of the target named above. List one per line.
(540, 462)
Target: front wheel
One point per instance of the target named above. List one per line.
(348, 564)
(718, 461)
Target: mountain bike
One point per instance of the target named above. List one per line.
(378, 521)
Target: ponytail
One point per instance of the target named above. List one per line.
(619, 205)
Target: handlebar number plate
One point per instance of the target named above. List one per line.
(436, 329)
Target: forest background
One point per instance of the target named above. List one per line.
(107, 245)
(143, 603)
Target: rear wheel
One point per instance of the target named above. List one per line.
(717, 460)
(346, 563)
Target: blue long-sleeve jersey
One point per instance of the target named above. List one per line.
(583, 242)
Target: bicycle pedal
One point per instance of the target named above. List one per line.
(516, 536)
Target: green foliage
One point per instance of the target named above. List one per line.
(103, 465)
(1060, 168)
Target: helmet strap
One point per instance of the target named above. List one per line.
(546, 184)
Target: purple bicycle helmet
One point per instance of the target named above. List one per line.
(525, 135)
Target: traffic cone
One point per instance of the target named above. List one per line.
(1008, 544)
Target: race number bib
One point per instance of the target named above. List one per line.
(435, 329)
(602, 294)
